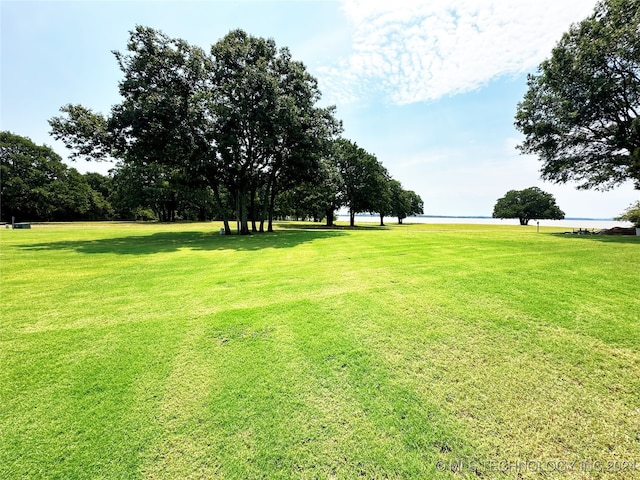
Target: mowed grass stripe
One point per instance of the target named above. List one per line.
(168, 351)
(180, 450)
(80, 408)
(550, 391)
(301, 399)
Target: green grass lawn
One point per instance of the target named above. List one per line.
(415, 351)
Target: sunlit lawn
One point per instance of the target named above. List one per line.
(416, 351)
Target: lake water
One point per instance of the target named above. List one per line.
(566, 223)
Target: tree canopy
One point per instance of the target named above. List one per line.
(364, 179)
(36, 185)
(580, 113)
(236, 131)
(241, 121)
(404, 203)
(528, 204)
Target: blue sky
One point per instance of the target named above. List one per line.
(429, 87)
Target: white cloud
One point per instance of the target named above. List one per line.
(416, 50)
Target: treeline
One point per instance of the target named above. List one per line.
(235, 133)
(35, 185)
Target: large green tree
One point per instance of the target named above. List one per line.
(580, 113)
(158, 131)
(269, 132)
(240, 121)
(382, 201)
(528, 204)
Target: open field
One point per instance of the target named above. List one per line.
(168, 351)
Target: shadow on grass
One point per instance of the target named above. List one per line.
(601, 238)
(322, 226)
(165, 242)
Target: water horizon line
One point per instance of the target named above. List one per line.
(483, 217)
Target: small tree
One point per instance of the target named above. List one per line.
(631, 214)
(528, 204)
(404, 203)
(364, 179)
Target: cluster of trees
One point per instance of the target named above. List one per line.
(236, 131)
(36, 185)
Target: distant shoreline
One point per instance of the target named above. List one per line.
(487, 217)
(570, 222)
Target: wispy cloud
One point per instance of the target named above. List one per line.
(415, 50)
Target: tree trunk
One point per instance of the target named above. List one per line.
(252, 210)
(524, 221)
(381, 220)
(265, 202)
(329, 214)
(225, 220)
(272, 206)
(244, 217)
(263, 213)
(352, 218)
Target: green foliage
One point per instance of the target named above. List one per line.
(580, 114)
(415, 202)
(84, 132)
(632, 214)
(364, 179)
(169, 351)
(317, 198)
(162, 129)
(270, 134)
(404, 203)
(36, 185)
(240, 122)
(528, 204)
